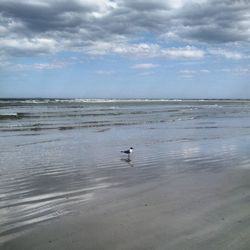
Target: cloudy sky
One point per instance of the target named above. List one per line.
(125, 48)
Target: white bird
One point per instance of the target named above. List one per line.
(128, 151)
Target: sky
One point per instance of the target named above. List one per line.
(125, 48)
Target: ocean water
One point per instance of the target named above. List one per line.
(57, 155)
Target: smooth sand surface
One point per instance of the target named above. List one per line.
(184, 209)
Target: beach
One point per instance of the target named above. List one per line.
(65, 185)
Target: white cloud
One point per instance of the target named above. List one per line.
(176, 4)
(145, 66)
(123, 48)
(187, 52)
(29, 46)
(147, 50)
(205, 71)
(186, 73)
(242, 71)
(237, 71)
(190, 73)
(227, 54)
(43, 66)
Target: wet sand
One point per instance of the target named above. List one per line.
(183, 210)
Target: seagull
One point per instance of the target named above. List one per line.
(128, 151)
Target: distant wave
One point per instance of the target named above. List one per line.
(66, 114)
(11, 116)
(82, 113)
(78, 100)
(35, 101)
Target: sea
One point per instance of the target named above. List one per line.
(56, 155)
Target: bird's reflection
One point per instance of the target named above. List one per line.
(128, 161)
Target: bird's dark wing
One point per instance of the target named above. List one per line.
(126, 151)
